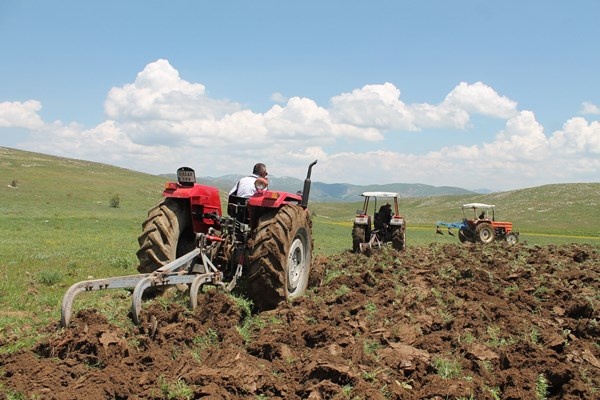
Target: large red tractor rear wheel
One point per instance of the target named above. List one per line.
(485, 233)
(166, 235)
(280, 255)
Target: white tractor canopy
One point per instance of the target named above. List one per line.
(484, 210)
(380, 194)
(478, 205)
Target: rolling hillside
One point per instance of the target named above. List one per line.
(47, 185)
(563, 209)
(340, 192)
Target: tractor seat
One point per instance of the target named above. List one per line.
(377, 221)
(237, 208)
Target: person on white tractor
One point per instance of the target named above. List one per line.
(385, 215)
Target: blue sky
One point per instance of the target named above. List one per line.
(476, 94)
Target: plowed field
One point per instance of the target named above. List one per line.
(444, 321)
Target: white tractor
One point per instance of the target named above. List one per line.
(386, 225)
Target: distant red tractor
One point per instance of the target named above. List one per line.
(481, 225)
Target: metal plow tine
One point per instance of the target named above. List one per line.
(164, 276)
(166, 273)
(122, 282)
(198, 281)
(158, 281)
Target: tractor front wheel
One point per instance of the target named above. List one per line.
(166, 235)
(279, 257)
(512, 238)
(485, 233)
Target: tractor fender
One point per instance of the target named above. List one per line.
(397, 221)
(362, 220)
(272, 199)
(201, 200)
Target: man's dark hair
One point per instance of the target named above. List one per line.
(258, 168)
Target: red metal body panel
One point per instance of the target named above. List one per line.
(507, 226)
(270, 199)
(202, 200)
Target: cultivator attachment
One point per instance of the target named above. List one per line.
(450, 225)
(373, 243)
(193, 269)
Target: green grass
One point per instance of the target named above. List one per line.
(59, 227)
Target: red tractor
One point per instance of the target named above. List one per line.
(387, 226)
(265, 241)
(482, 225)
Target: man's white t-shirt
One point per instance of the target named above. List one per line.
(245, 186)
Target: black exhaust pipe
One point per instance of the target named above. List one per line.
(306, 189)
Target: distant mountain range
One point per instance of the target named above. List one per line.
(338, 192)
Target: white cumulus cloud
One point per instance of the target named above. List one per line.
(20, 115)
(375, 106)
(588, 108)
(160, 121)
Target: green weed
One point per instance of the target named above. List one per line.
(541, 387)
(207, 340)
(13, 395)
(540, 292)
(534, 336)
(447, 369)
(331, 274)
(115, 201)
(371, 309)
(511, 289)
(342, 291)
(347, 390)
(120, 263)
(496, 340)
(248, 326)
(50, 278)
(495, 392)
(176, 390)
(371, 347)
(243, 304)
(466, 338)
(372, 375)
